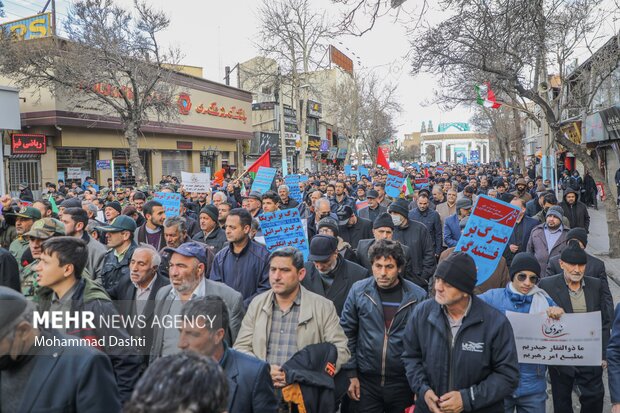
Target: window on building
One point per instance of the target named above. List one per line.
(76, 164)
(122, 167)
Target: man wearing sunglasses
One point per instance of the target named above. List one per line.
(523, 295)
(577, 293)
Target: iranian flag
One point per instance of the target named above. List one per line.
(485, 96)
(264, 160)
(407, 187)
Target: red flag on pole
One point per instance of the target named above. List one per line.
(381, 159)
(264, 160)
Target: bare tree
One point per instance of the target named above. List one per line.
(360, 16)
(345, 105)
(111, 63)
(516, 43)
(297, 38)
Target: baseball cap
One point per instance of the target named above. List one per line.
(27, 212)
(322, 247)
(190, 249)
(343, 212)
(120, 223)
(46, 228)
(372, 194)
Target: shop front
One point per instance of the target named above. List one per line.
(211, 120)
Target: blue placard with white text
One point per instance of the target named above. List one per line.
(394, 183)
(170, 201)
(292, 181)
(284, 229)
(264, 179)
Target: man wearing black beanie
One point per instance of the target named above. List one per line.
(460, 353)
(522, 295)
(576, 293)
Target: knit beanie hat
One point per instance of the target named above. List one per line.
(573, 254)
(524, 261)
(400, 206)
(211, 211)
(578, 233)
(383, 220)
(116, 205)
(458, 270)
(330, 223)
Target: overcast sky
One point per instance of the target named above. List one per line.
(214, 33)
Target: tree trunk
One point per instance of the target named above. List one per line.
(611, 211)
(131, 134)
(518, 140)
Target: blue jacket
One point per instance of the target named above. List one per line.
(482, 364)
(250, 388)
(613, 359)
(451, 230)
(247, 272)
(363, 323)
(532, 376)
(432, 222)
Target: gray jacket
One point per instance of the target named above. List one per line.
(538, 245)
(232, 298)
(96, 252)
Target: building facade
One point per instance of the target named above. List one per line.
(456, 143)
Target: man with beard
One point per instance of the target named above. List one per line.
(152, 231)
(548, 239)
(575, 211)
(341, 198)
(211, 233)
(352, 229)
(328, 274)
(454, 224)
(521, 191)
(119, 236)
(286, 202)
(23, 222)
(431, 220)
(76, 220)
(254, 203)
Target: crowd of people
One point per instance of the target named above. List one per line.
(383, 314)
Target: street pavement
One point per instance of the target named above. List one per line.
(598, 245)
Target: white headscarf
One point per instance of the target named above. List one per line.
(539, 299)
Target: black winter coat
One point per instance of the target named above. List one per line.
(353, 234)
(217, 239)
(9, 272)
(482, 364)
(577, 214)
(112, 270)
(418, 239)
(363, 323)
(407, 272)
(345, 274)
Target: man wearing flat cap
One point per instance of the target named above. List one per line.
(576, 293)
(460, 353)
(328, 274)
(40, 378)
(374, 209)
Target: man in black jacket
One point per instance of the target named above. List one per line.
(460, 353)
(41, 378)
(352, 228)
(250, 389)
(576, 293)
(374, 319)
(119, 236)
(575, 211)
(211, 233)
(415, 236)
(328, 274)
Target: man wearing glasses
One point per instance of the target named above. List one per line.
(523, 295)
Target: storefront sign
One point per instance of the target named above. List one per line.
(28, 144)
(263, 106)
(314, 143)
(266, 140)
(185, 145)
(573, 340)
(572, 132)
(324, 146)
(184, 103)
(103, 165)
(314, 109)
(74, 173)
(342, 153)
(33, 27)
(214, 110)
(611, 121)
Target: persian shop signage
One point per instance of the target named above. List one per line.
(33, 27)
(28, 144)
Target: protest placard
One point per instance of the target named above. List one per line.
(486, 234)
(363, 171)
(284, 229)
(196, 182)
(347, 170)
(264, 179)
(394, 183)
(421, 183)
(292, 181)
(170, 201)
(573, 340)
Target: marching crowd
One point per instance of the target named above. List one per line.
(384, 314)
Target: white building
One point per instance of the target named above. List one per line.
(454, 142)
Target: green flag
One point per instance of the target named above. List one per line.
(54, 206)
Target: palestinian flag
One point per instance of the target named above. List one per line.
(53, 203)
(264, 160)
(485, 96)
(407, 187)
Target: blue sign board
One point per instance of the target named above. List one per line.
(170, 201)
(284, 229)
(264, 179)
(394, 183)
(292, 181)
(103, 165)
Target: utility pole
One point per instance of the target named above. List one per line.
(281, 110)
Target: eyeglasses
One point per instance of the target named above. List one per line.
(533, 278)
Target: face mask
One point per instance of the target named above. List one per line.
(397, 220)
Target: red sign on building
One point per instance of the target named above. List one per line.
(28, 144)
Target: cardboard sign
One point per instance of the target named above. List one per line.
(196, 182)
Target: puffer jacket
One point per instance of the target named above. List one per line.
(481, 365)
(577, 213)
(112, 270)
(531, 376)
(375, 350)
